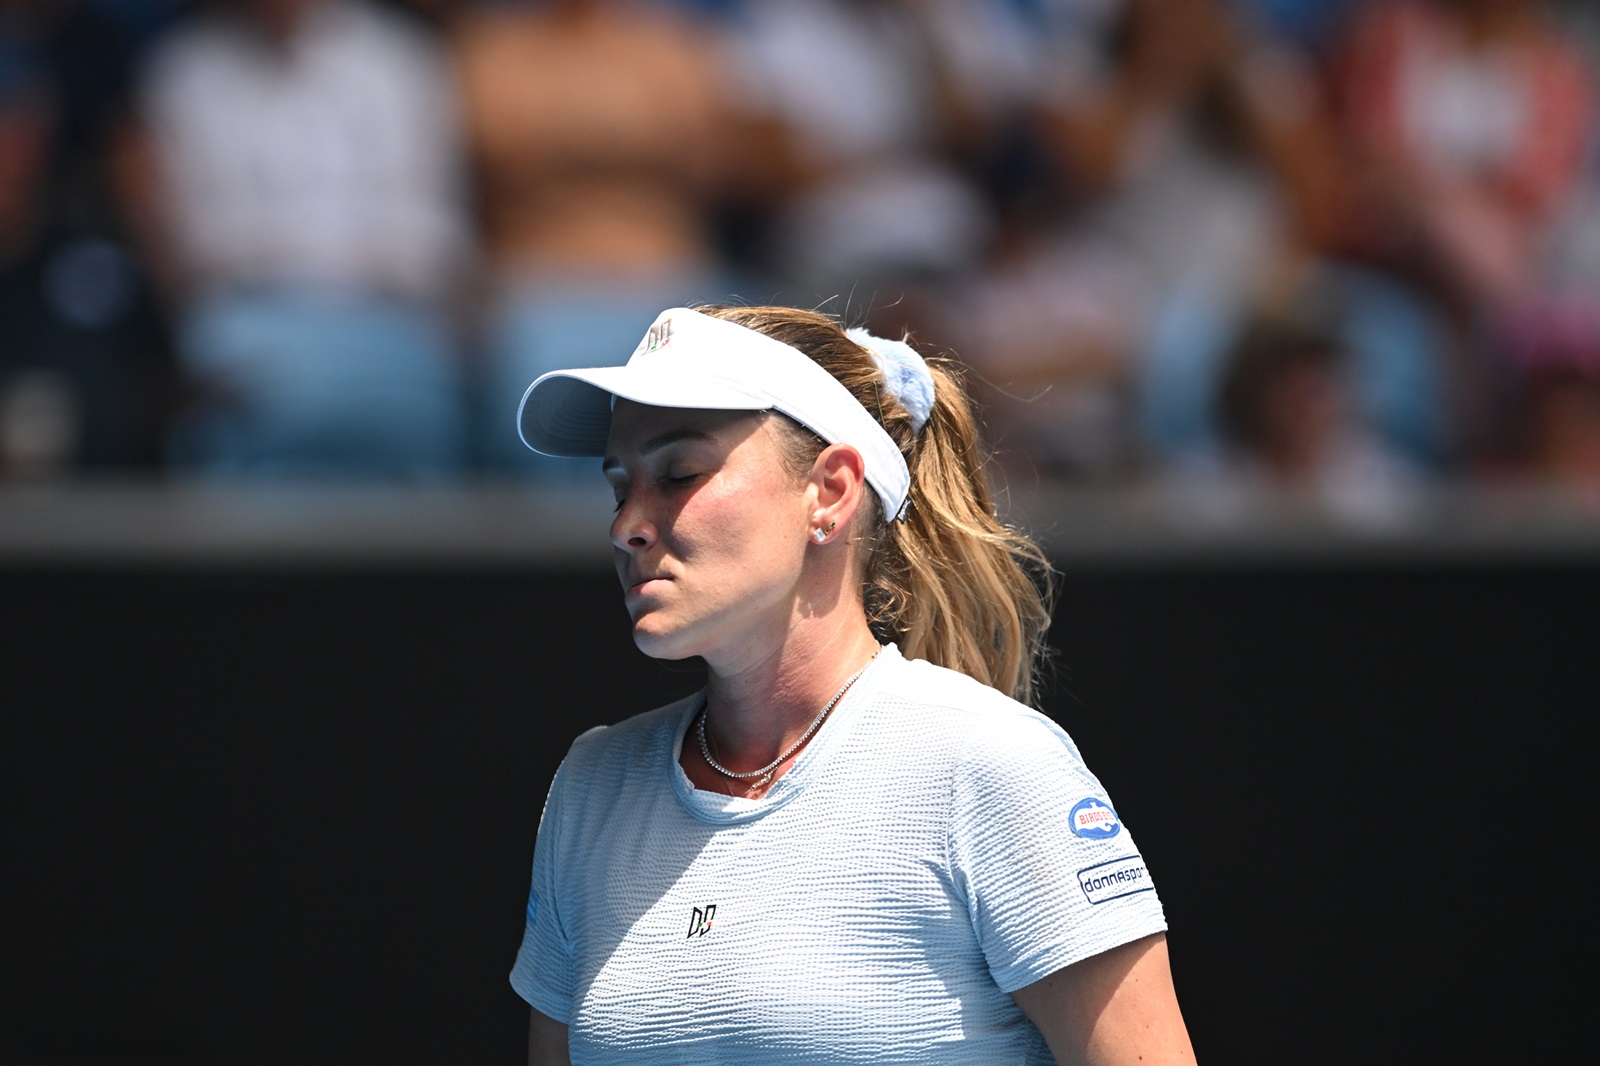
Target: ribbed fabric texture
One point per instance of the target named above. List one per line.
(917, 863)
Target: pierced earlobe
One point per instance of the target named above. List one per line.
(821, 535)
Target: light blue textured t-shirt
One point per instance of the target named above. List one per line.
(935, 847)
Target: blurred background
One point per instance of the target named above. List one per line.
(1258, 255)
(1285, 320)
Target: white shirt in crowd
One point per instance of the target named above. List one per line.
(329, 160)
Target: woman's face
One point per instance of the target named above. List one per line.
(711, 530)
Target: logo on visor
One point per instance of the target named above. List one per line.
(659, 335)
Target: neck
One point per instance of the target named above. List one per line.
(761, 706)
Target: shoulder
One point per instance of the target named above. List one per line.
(950, 694)
(1007, 767)
(989, 727)
(609, 748)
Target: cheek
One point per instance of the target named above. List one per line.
(741, 521)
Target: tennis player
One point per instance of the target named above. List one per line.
(858, 844)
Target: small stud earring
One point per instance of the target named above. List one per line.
(821, 535)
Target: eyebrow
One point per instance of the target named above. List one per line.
(655, 444)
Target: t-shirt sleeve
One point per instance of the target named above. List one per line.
(1049, 873)
(542, 974)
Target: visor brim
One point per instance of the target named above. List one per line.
(568, 412)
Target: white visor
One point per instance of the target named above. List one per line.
(692, 360)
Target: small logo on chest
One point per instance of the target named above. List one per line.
(700, 921)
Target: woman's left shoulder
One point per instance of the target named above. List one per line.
(987, 718)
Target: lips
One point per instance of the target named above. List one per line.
(642, 585)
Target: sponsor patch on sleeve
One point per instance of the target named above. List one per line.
(1110, 880)
(1094, 820)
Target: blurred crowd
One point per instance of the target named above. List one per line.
(1264, 254)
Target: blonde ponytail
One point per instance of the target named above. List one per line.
(951, 583)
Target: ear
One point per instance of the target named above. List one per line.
(834, 487)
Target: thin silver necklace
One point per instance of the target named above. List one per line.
(765, 773)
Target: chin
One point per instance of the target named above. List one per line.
(661, 642)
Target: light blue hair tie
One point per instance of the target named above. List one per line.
(905, 372)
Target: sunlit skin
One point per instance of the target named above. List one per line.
(713, 546)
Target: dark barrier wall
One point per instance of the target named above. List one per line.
(272, 815)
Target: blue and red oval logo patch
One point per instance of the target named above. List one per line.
(1094, 820)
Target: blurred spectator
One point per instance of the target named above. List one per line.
(1396, 350)
(84, 372)
(1164, 164)
(1292, 443)
(1208, 180)
(1553, 366)
(1471, 121)
(305, 190)
(872, 118)
(598, 134)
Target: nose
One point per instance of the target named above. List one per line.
(632, 530)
